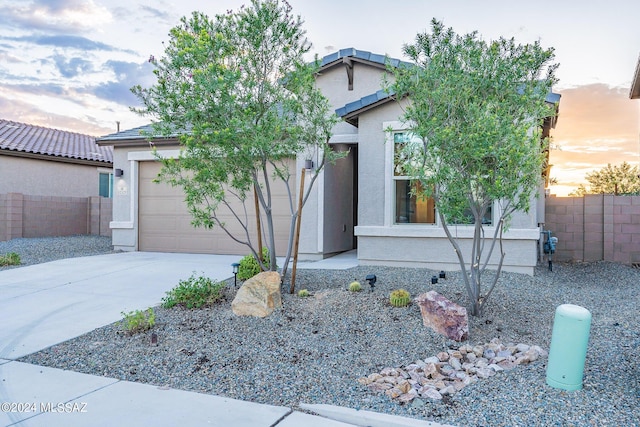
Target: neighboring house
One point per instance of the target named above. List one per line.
(357, 203)
(634, 92)
(50, 182)
(40, 161)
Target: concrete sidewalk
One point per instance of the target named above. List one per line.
(42, 305)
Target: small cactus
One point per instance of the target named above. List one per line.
(355, 286)
(302, 293)
(399, 298)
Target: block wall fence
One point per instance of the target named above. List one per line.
(596, 227)
(44, 216)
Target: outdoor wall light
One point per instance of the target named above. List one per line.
(371, 280)
(308, 164)
(434, 280)
(119, 173)
(443, 275)
(235, 267)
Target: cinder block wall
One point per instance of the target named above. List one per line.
(595, 227)
(3, 216)
(45, 216)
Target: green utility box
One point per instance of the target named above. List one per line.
(568, 350)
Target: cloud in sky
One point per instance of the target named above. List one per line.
(157, 13)
(126, 75)
(597, 125)
(66, 41)
(25, 112)
(66, 16)
(72, 67)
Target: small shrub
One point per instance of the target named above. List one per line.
(11, 258)
(355, 286)
(249, 266)
(399, 298)
(194, 292)
(302, 293)
(139, 320)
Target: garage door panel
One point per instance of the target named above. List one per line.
(159, 225)
(165, 223)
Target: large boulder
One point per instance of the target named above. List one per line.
(443, 316)
(259, 295)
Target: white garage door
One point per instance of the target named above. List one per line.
(164, 224)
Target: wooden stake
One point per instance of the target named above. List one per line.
(297, 236)
(257, 208)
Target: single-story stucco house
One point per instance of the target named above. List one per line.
(42, 161)
(51, 182)
(357, 203)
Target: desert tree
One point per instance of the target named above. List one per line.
(613, 179)
(474, 112)
(241, 98)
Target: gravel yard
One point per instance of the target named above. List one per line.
(45, 249)
(315, 348)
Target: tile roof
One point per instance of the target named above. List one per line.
(27, 138)
(362, 55)
(139, 133)
(381, 95)
(364, 102)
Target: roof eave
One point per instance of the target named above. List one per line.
(352, 117)
(634, 93)
(53, 158)
(141, 141)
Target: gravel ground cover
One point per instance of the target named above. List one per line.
(45, 249)
(315, 348)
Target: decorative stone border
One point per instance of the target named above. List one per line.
(450, 371)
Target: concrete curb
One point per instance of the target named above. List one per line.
(366, 418)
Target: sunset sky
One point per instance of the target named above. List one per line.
(69, 64)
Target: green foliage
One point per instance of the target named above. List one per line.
(475, 111)
(355, 286)
(240, 95)
(249, 266)
(138, 320)
(303, 293)
(194, 292)
(400, 298)
(621, 179)
(10, 258)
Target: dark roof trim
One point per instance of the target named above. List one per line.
(634, 92)
(135, 137)
(59, 159)
(363, 56)
(352, 110)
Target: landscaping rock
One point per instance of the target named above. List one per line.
(432, 380)
(259, 295)
(444, 316)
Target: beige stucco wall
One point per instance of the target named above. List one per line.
(322, 222)
(47, 178)
(380, 241)
(334, 85)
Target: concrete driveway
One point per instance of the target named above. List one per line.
(42, 305)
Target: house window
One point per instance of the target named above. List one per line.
(410, 206)
(106, 185)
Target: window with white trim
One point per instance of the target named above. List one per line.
(105, 188)
(410, 206)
